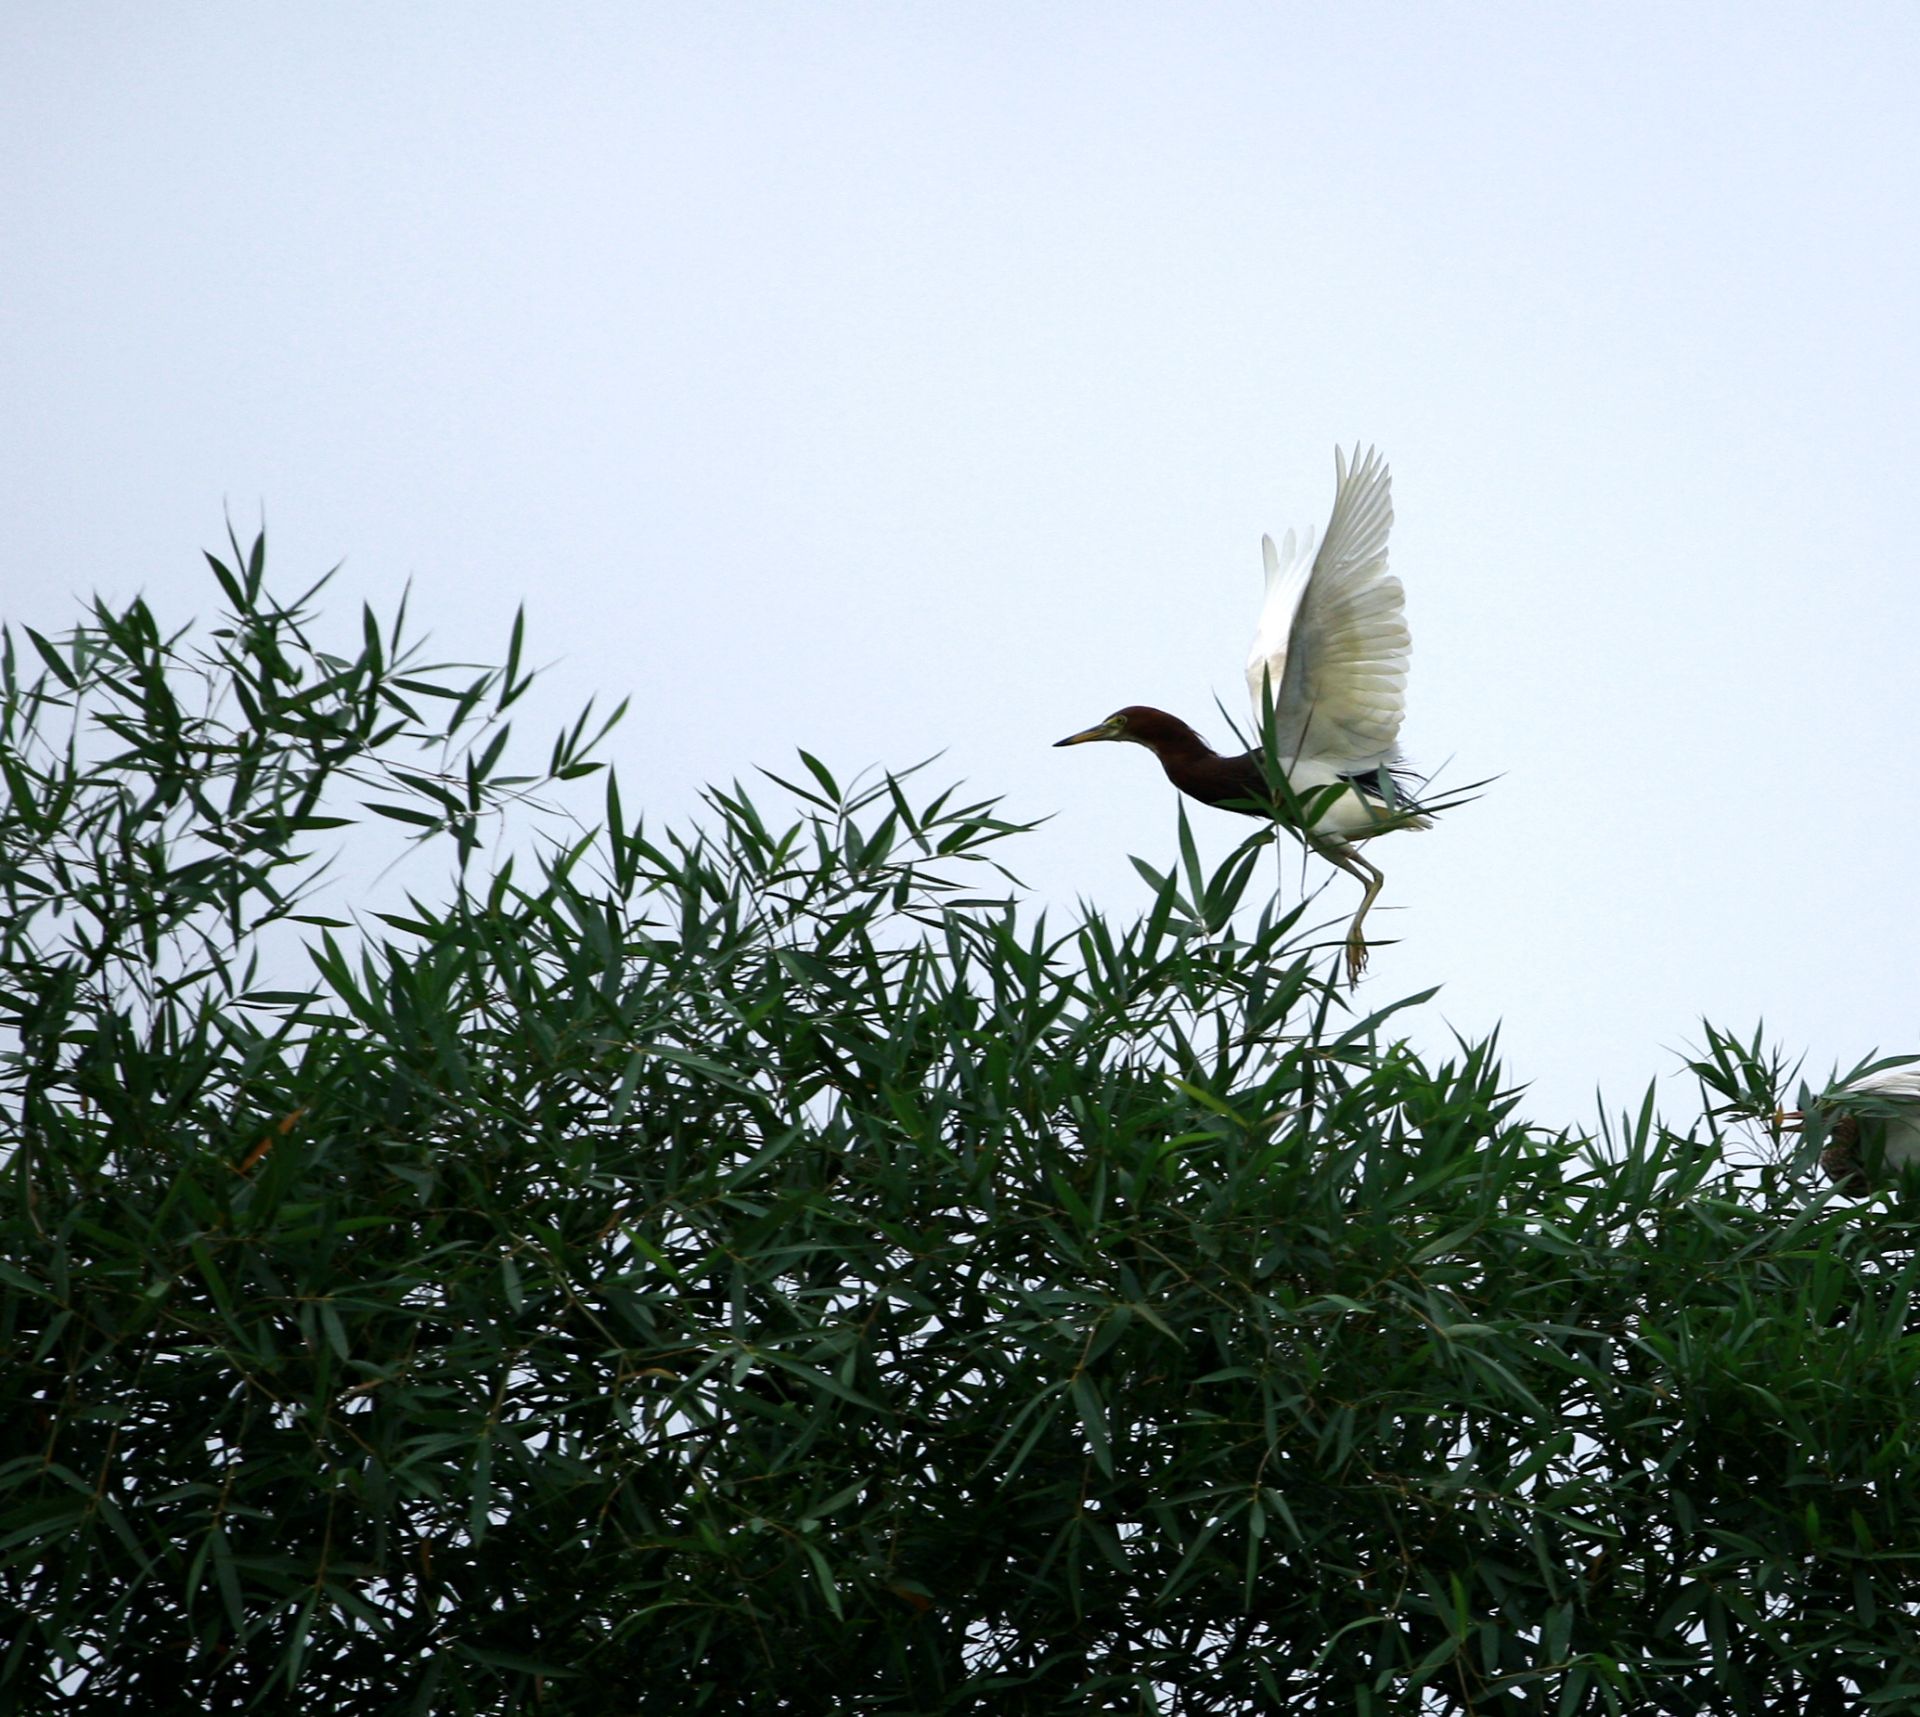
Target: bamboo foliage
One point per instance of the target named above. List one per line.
(764, 1268)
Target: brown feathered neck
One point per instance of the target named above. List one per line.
(1193, 765)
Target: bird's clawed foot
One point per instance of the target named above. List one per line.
(1356, 957)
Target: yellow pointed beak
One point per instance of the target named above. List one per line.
(1108, 729)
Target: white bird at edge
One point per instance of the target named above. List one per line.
(1328, 675)
(1872, 1128)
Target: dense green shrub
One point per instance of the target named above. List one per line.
(763, 1270)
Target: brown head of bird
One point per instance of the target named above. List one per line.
(1191, 764)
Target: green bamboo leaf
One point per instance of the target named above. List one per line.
(1093, 1421)
(404, 814)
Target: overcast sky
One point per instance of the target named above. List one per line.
(894, 379)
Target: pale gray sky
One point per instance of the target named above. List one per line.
(884, 379)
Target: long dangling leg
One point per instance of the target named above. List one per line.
(1339, 852)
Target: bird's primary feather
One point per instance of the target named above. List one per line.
(1332, 647)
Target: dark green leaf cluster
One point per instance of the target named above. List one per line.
(761, 1270)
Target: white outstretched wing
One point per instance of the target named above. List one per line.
(1333, 641)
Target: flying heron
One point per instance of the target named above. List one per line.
(1328, 674)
